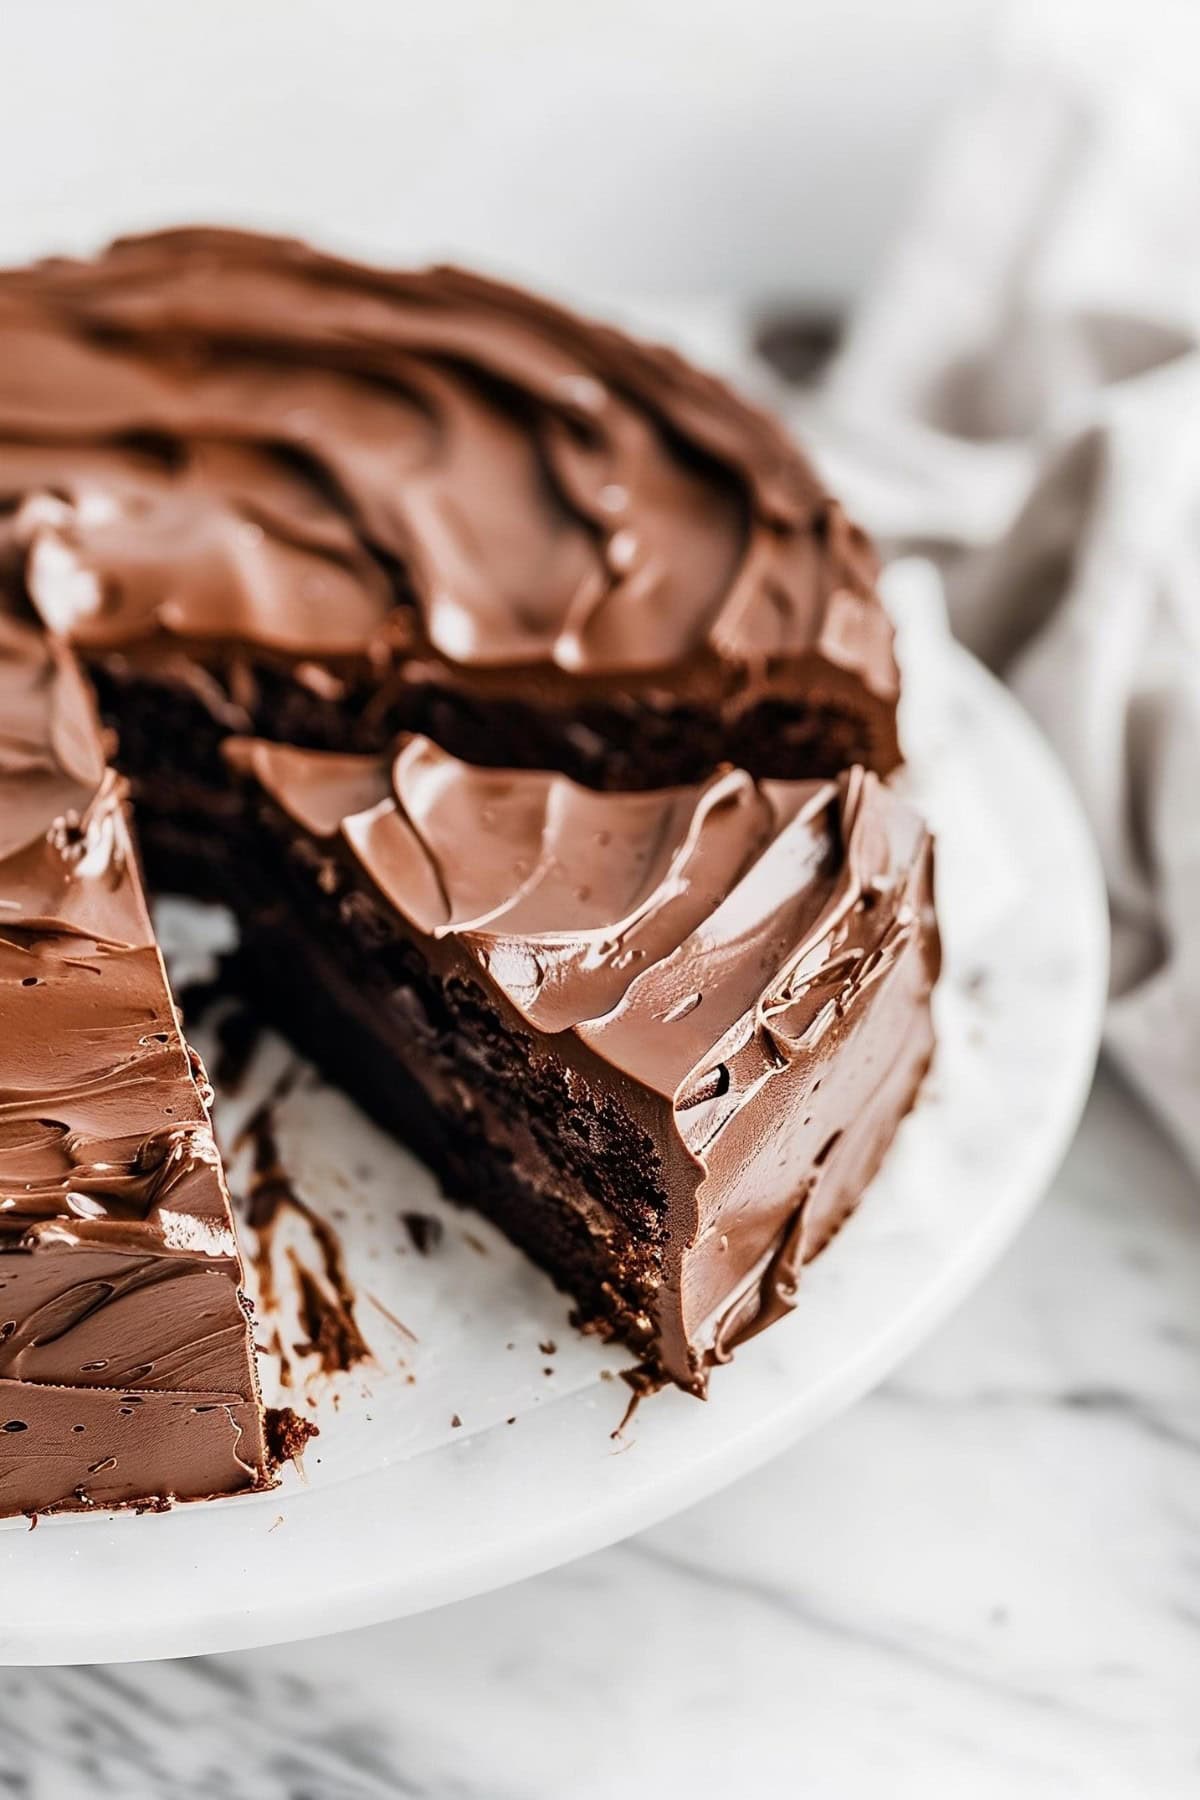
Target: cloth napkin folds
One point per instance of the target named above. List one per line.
(1020, 399)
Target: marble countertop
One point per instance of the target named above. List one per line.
(983, 1581)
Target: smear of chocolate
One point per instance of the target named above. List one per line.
(425, 1231)
(331, 1333)
(327, 1299)
(392, 1318)
(644, 1381)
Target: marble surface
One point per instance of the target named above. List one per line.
(983, 1581)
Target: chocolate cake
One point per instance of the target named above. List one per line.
(532, 703)
(664, 1038)
(126, 1367)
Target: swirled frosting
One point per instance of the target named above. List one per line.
(214, 439)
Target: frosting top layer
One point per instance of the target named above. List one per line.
(206, 435)
(700, 939)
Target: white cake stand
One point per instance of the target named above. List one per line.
(399, 1507)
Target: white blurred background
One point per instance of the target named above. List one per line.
(749, 147)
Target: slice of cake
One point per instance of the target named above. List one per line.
(270, 492)
(663, 1038)
(126, 1367)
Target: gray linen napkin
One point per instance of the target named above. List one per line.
(1020, 398)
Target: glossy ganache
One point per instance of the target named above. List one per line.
(321, 503)
(742, 968)
(126, 1368)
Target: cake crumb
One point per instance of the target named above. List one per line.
(288, 1435)
(424, 1230)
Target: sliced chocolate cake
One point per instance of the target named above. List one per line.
(126, 1368)
(663, 1038)
(271, 492)
(531, 701)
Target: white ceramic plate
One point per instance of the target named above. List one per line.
(399, 1508)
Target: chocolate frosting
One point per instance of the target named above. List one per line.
(120, 1306)
(708, 949)
(215, 438)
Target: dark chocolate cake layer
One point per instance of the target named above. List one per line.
(665, 1038)
(266, 491)
(126, 1367)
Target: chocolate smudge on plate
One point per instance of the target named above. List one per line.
(325, 1295)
